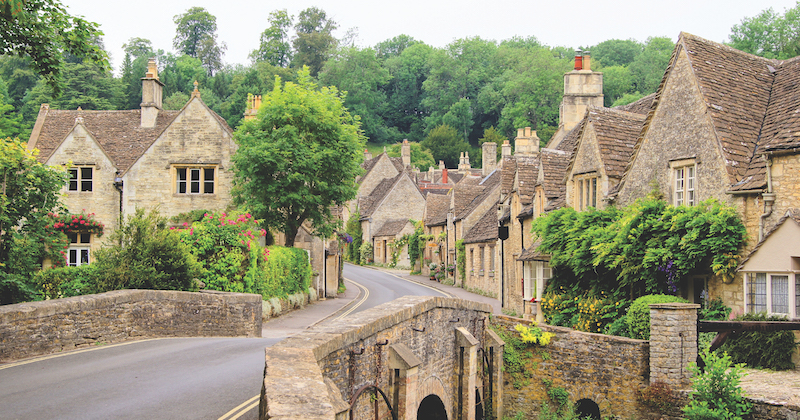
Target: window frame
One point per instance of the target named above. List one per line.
(791, 296)
(683, 184)
(195, 179)
(80, 246)
(586, 191)
(79, 180)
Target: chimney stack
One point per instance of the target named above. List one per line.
(405, 153)
(367, 155)
(489, 157)
(506, 149)
(152, 90)
(253, 103)
(526, 143)
(444, 176)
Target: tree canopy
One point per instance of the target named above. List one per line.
(769, 34)
(196, 36)
(275, 48)
(446, 144)
(298, 158)
(314, 39)
(45, 32)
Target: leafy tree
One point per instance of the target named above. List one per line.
(420, 156)
(395, 46)
(446, 144)
(648, 68)
(405, 92)
(769, 34)
(492, 135)
(19, 77)
(138, 52)
(616, 83)
(314, 39)
(275, 48)
(359, 73)
(45, 32)
(175, 101)
(616, 52)
(298, 158)
(29, 192)
(180, 75)
(196, 36)
(627, 98)
(10, 122)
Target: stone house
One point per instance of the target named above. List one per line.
(438, 224)
(178, 161)
(385, 238)
(723, 126)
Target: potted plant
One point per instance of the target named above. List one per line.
(433, 267)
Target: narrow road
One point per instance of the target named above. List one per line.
(171, 378)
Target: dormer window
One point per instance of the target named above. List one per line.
(80, 179)
(586, 191)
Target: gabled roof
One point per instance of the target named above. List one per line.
(436, 208)
(507, 174)
(554, 168)
(370, 203)
(791, 214)
(533, 254)
(473, 196)
(370, 163)
(527, 175)
(617, 132)
(485, 230)
(782, 125)
(392, 227)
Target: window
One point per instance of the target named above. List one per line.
(773, 293)
(586, 192)
(78, 252)
(685, 184)
(194, 181)
(538, 274)
(80, 178)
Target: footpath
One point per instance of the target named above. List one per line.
(314, 313)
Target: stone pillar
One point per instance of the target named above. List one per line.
(406, 364)
(495, 346)
(466, 347)
(673, 342)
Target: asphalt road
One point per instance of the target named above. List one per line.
(171, 378)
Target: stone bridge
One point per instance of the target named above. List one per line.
(412, 358)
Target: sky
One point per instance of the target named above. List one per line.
(571, 23)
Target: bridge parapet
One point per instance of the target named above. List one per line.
(418, 351)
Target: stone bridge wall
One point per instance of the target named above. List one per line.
(606, 369)
(37, 328)
(410, 348)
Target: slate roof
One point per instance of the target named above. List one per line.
(485, 230)
(617, 132)
(436, 208)
(392, 227)
(370, 163)
(554, 167)
(791, 214)
(527, 175)
(533, 254)
(782, 125)
(119, 133)
(507, 174)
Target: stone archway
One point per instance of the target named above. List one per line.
(431, 408)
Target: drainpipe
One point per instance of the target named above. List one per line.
(769, 200)
(118, 186)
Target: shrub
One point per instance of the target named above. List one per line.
(365, 253)
(583, 311)
(716, 393)
(714, 310)
(639, 314)
(145, 255)
(64, 282)
(770, 350)
(658, 396)
(287, 272)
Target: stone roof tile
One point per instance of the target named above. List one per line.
(436, 208)
(485, 230)
(392, 227)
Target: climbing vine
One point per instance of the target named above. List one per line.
(461, 258)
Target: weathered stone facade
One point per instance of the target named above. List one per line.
(411, 348)
(673, 343)
(37, 328)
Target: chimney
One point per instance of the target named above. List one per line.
(444, 176)
(253, 103)
(506, 149)
(489, 157)
(152, 89)
(463, 165)
(405, 153)
(367, 154)
(578, 60)
(526, 143)
(441, 164)
(587, 61)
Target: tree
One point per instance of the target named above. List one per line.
(420, 156)
(29, 192)
(275, 48)
(616, 52)
(45, 32)
(769, 34)
(404, 91)
(395, 46)
(648, 68)
(298, 158)
(196, 36)
(138, 52)
(492, 135)
(616, 83)
(314, 39)
(446, 144)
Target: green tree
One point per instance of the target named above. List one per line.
(395, 46)
(138, 52)
(616, 52)
(275, 48)
(492, 135)
(769, 34)
(616, 83)
(29, 192)
(405, 93)
(196, 36)
(45, 32)
(446, 144)
(648, 68)
(298, 158)
(360, 74)
(314, 39)
(10, 121)
(420, 156)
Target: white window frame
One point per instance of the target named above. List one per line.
(536, 274)
(684, 182)
(79, 251)
(771, 279)
(81, 178)
(194, 180)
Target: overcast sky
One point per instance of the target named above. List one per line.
(568, 23)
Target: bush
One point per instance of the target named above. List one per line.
(639, 314)
(145, 255)
(714, 310)
(64, 282)
(365, 253)
(286, 272)
(770, 350)
(658, 396)
(716, 393)
(583, 311)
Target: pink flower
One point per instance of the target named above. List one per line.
(185, 224)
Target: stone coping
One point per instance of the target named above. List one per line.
(674, 305)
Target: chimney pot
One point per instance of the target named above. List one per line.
(578, 60)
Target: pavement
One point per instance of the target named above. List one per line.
(299, 320)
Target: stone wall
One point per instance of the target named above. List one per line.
(410, 348)
(37, 328)
(606, 369)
